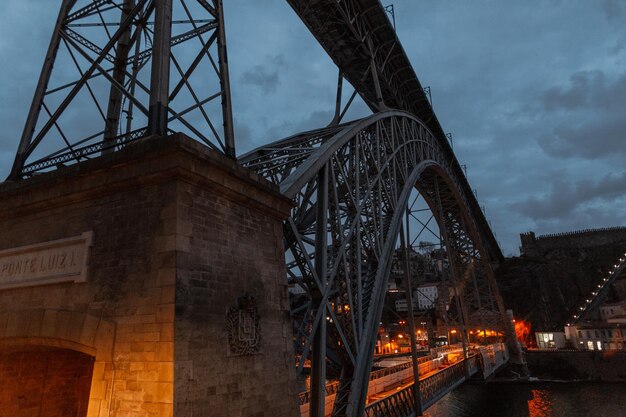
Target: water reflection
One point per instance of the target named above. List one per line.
(533, 400)
(540, 405)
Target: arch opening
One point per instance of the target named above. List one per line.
(45, 381)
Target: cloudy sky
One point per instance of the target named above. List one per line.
(533, 92)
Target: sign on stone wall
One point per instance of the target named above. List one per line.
(45, 263)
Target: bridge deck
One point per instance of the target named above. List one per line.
(390, 390)
(482, 363)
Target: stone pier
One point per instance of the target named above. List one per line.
(147, 282)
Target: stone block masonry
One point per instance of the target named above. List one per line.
(568, 365)
(579, 239)
(180, 235)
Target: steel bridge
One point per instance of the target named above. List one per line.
(351, 182)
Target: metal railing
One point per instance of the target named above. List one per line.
(436, 386)
(399, 404)
(304, 397)
(432, 388)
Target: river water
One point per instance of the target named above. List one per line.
(580, 399)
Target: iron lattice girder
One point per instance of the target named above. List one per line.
(358, 36)
(98, 56)
(474, 283)
(372, 165)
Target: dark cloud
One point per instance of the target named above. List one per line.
(587, 116)
(599, 137)
(566, 198)
(266, 77)
(613, 9)
(261, 77)
(589, 90)
(579, 93)
(533, 92)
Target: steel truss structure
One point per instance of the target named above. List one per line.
(359, 38)
(121, 73)
(351, 184)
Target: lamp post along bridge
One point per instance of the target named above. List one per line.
(138, 68)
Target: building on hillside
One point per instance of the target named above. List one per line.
(596, 336)
(424, 298)
(402, 307)
(426, 295)
(392, 286)
(551, 340)
(614, 312)
(422, 266)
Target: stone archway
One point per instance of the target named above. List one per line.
(54, 353)
(44, 381)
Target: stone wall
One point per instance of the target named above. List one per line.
(160, 216)
(536, 245)
(123, 315)
(231, 246)
(577, 365)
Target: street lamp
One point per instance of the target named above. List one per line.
(450, 333)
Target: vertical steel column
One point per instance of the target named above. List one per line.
(455, 275)
(380, 103)
(42, 85)
(160, 77)
(515, 349)
(318, 354)
(445, 293)
(227, 112)
(411, 321)
(116, 97)
(133, 79)
(478, 301)
(335, 120)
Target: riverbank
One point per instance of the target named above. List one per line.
(573, 365)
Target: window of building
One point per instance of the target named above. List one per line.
(599, 344)
(580, 334)
(610, 333)
(589, 345)
(588, 334)
(597, 334)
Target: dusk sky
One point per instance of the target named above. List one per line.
(534, 94)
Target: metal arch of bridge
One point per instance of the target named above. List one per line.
(358, 36)
(351, 184)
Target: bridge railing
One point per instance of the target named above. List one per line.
(436, 386)
(432, 388)
(399, 404)
(305, 397)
